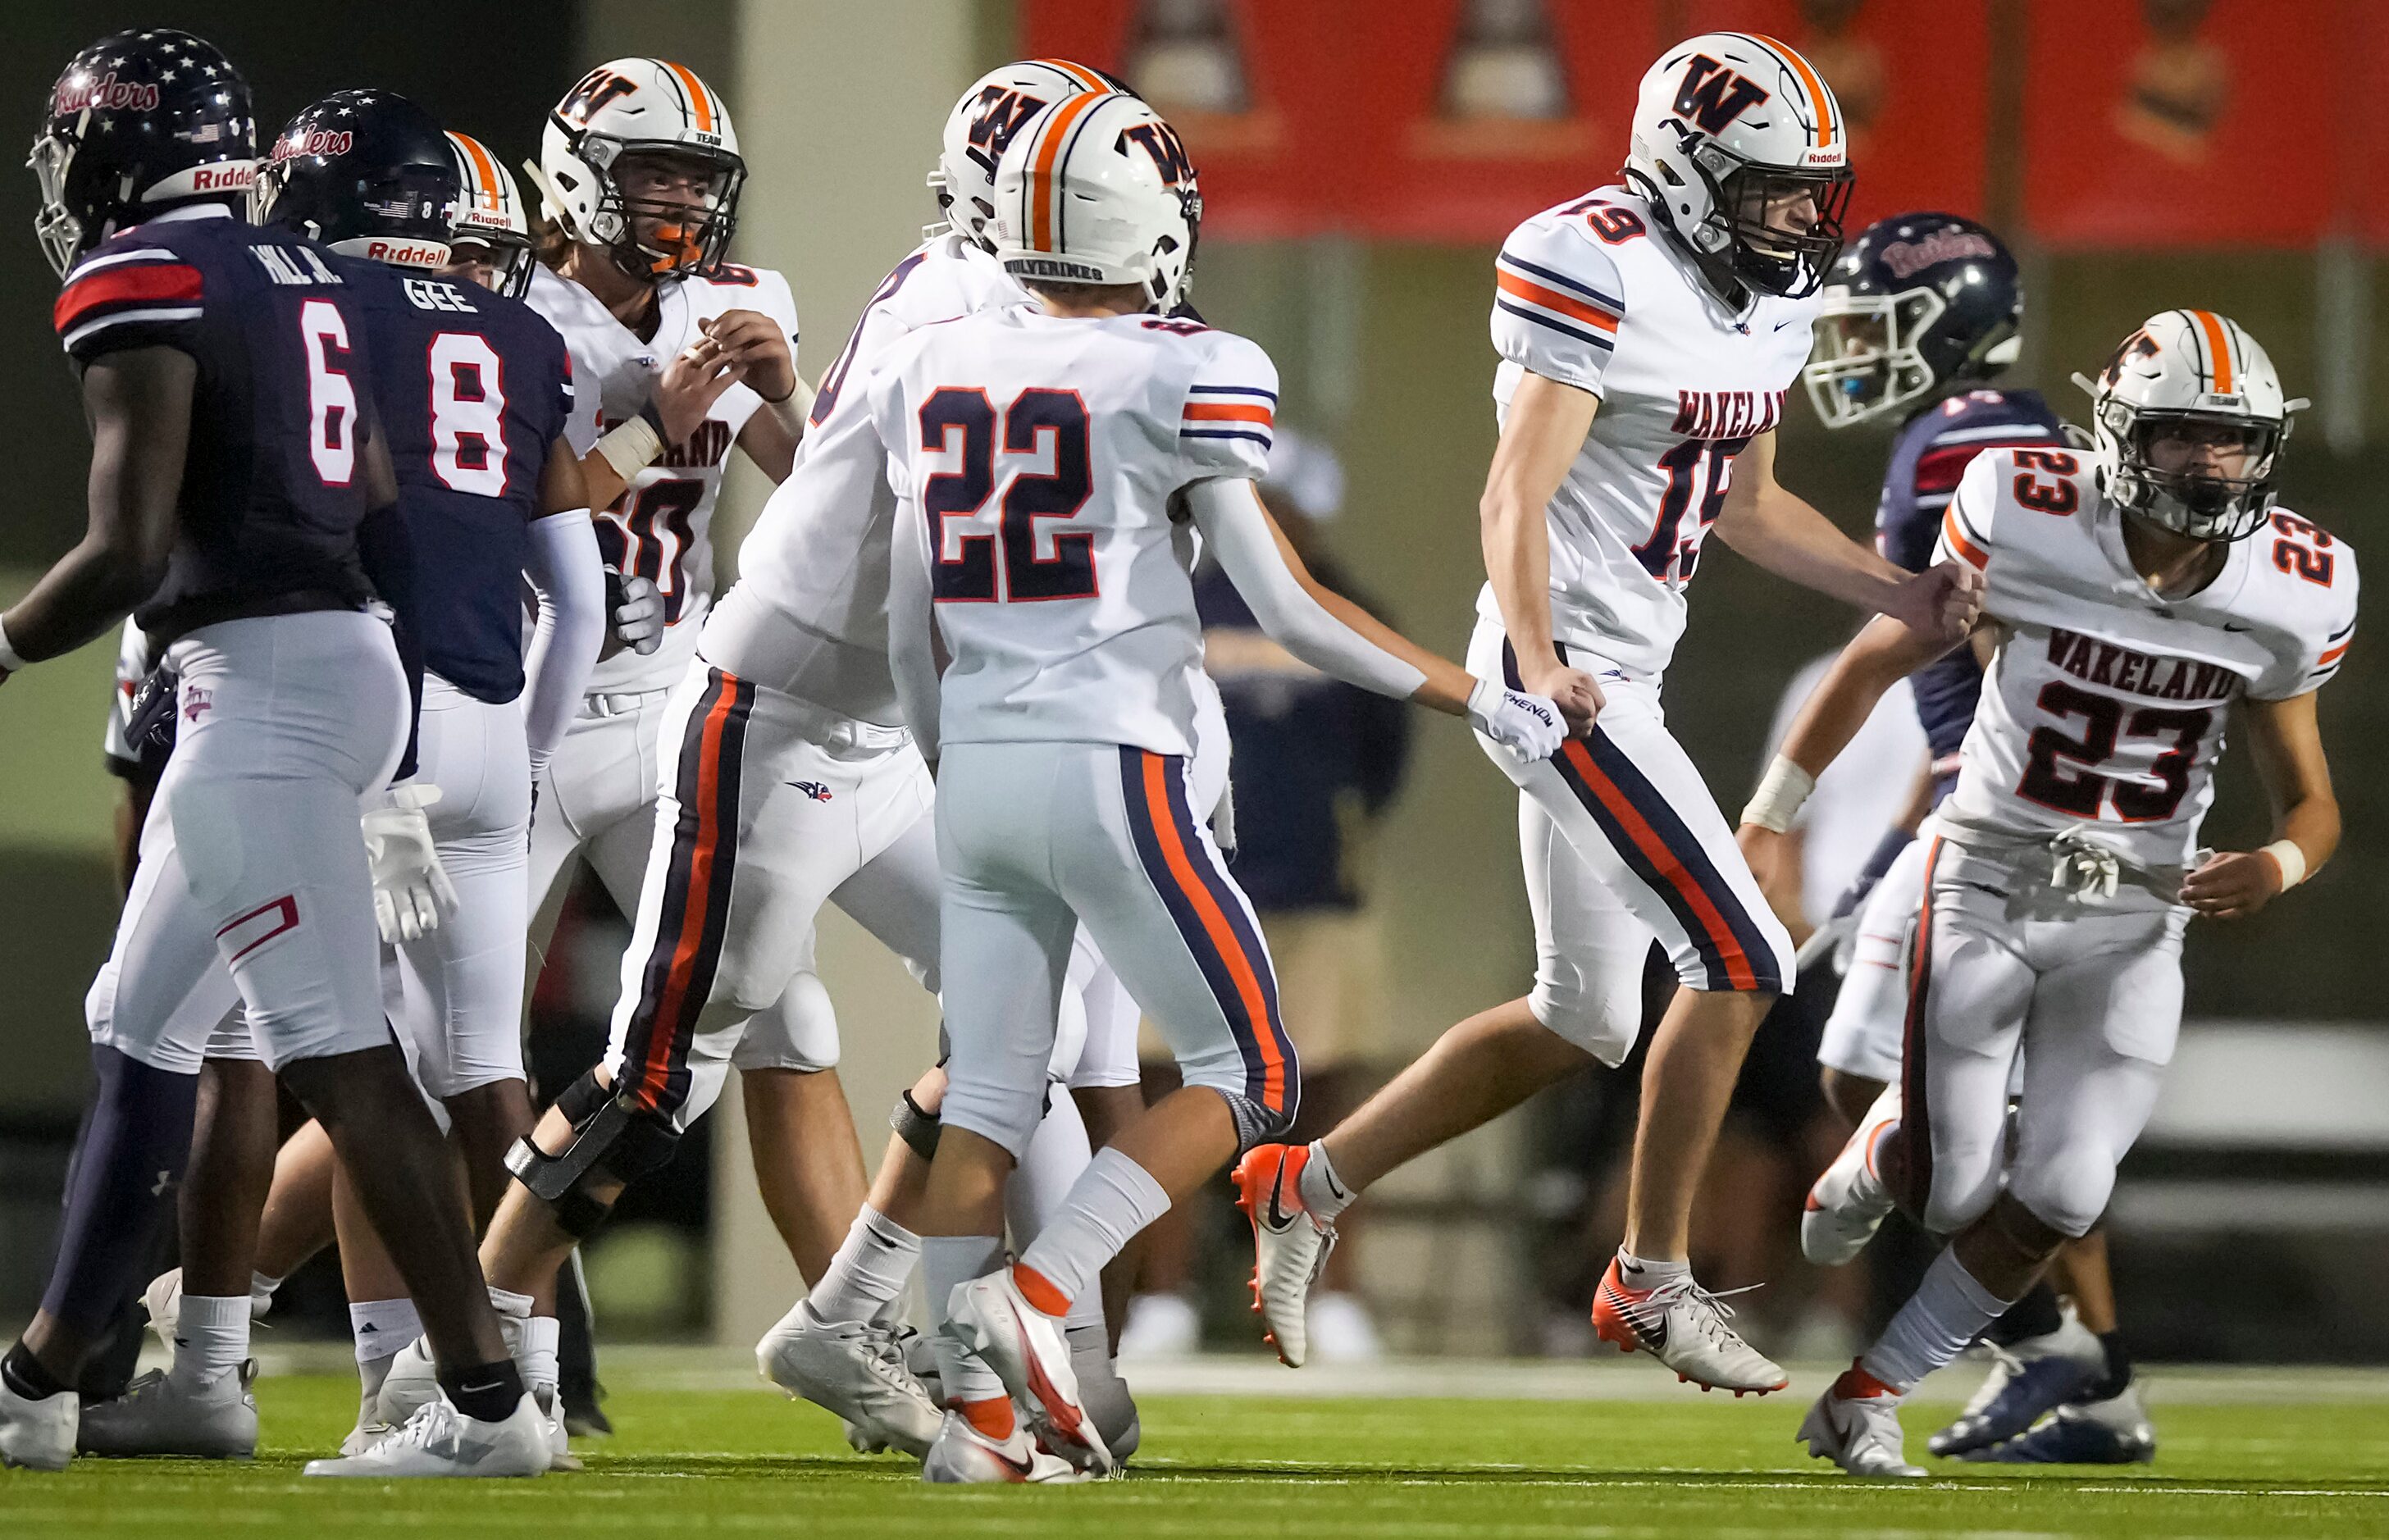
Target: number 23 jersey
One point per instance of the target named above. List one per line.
(2106, 704)
(1591, 294)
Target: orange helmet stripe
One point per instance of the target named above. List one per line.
(1809, 78)
(1044, 188)
(1086, 78)
(485, 170)
(2219, 345)
(701, 102)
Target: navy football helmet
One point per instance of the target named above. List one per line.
(1918, 306)
(369, 173)
(141, 122)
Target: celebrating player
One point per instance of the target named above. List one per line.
(1920, 314)
(1648, 334)
(2134, 599)
(236, 459)
(1045, 458)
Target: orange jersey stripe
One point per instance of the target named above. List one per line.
(657, 1069)
(1215, 926)
(1817, 91)
(1551, 298)
(1042, 192)
(1080, 72)
(2219, 345)
(1646, 839)
(1223, 413)
(1956, 534)
(699, 103)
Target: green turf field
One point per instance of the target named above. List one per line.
(2253, 1458)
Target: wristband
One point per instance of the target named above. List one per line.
(1780, 793)
(632, 446)
(9, 661)
(793, 409)
(2289, 858)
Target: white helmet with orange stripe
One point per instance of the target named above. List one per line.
(1097, 190)
(646, 111)
(487, 228)
(1741, 148)
(2190, 419)
(983, 122)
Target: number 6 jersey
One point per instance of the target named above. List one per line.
(1592, 294)
(2105, 703)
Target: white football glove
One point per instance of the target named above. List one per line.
(1528, 726)
(635, 608)
(411, 893)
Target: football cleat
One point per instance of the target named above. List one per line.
(160, 1415)
(2027, 1381)
(1102, 1391)
(559, 1439)
(1684, 1326)
(1290, 1246)
(1856, 1425)
(412, 1384)
(163, 1301)
(961, 1454)
(855, 1370)
(2113, 1432)
(37, 1436)
(1849, 1203)
(1025, 1349)
(440, 1441)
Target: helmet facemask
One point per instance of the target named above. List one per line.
(1866, 362)
(2163, 469)
(685, 239)
(58, 227)
(508, 257)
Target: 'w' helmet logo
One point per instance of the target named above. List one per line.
(1713, 95)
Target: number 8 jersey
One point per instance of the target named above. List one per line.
(2105, 703)
(1592, 294)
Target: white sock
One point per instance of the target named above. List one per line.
(869, 1269)
(1322, 1192)
(1948, 1310)
(381, 1328)
(371, 1374)
(211, 1339)
(261, 1294)
(514, 1313)
(948, 1260)
(539, 1354)
(1112, 1200)
(1643, 1272)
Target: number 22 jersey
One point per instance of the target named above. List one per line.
(2105, 703)
(1591, 294)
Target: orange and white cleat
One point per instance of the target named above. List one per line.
(1026, 1348)
(1290, 1244)
(1856, 1425)
(1684, 1326)
(961, 1455)
(1849, 1203)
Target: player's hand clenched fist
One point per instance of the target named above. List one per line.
(1530, 726)
(2233, 884)
(1575, 692)
(1943, 601)
(753, 343)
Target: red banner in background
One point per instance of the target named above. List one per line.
(2187, 123)
(1913, 79)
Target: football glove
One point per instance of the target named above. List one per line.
(1528, 726)
(636, 610)
(411, 893)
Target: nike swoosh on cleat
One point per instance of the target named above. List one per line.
(1278, 1218)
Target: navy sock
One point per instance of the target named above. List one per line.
(487, 1392)
(2032, 1316)
(26, 1375)
(2120, 1369)
(136, 1138)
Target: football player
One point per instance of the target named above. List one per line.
(1920, 316)
(1648, 332)
(2136, 598)
(1045, 459)
(237, 457)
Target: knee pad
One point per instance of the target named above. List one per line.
(612, 1137)
(1603, 1023)
(2070, 1200)
(917, 1128)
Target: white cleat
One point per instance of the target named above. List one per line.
(1290, 1246)
(163, 1301)
(160, 1415)
(1684, 1326)
(1849, 1203)
(961, 1455)
(855, 1370)
(370, 1429)
(440, 1441)
(412, 1384)
(1026, 1348)
(37, 1436)
(559, 1440)
(1856, 1425)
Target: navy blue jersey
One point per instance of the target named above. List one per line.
(271, 500)
(473, 390)
(1931, 453)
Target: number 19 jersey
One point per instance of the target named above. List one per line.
(1042, 456)
(1591, 294)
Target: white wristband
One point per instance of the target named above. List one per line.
(793, 411)
(9, 661)
(1780, 793)
(632, 448)
(2289, 858)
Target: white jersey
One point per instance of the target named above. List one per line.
(818, 553)
(2104, 705)
(1594, 294)
(661, 527)
(1042, 456)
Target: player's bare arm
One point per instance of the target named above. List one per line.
(138, 403)
(685, 393)
(2287, 746)
(1542, 433)
(1783, 532)
(753, 343)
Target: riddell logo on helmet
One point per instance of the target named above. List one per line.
(236, 176)
(408, 253)
(315, 141)
(104, 95)
(1906, 258)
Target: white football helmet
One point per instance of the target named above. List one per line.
(1097, 190)
(642, 107)
(489, 214)
(2190, 385)
(990, 112)
(1727, 126)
